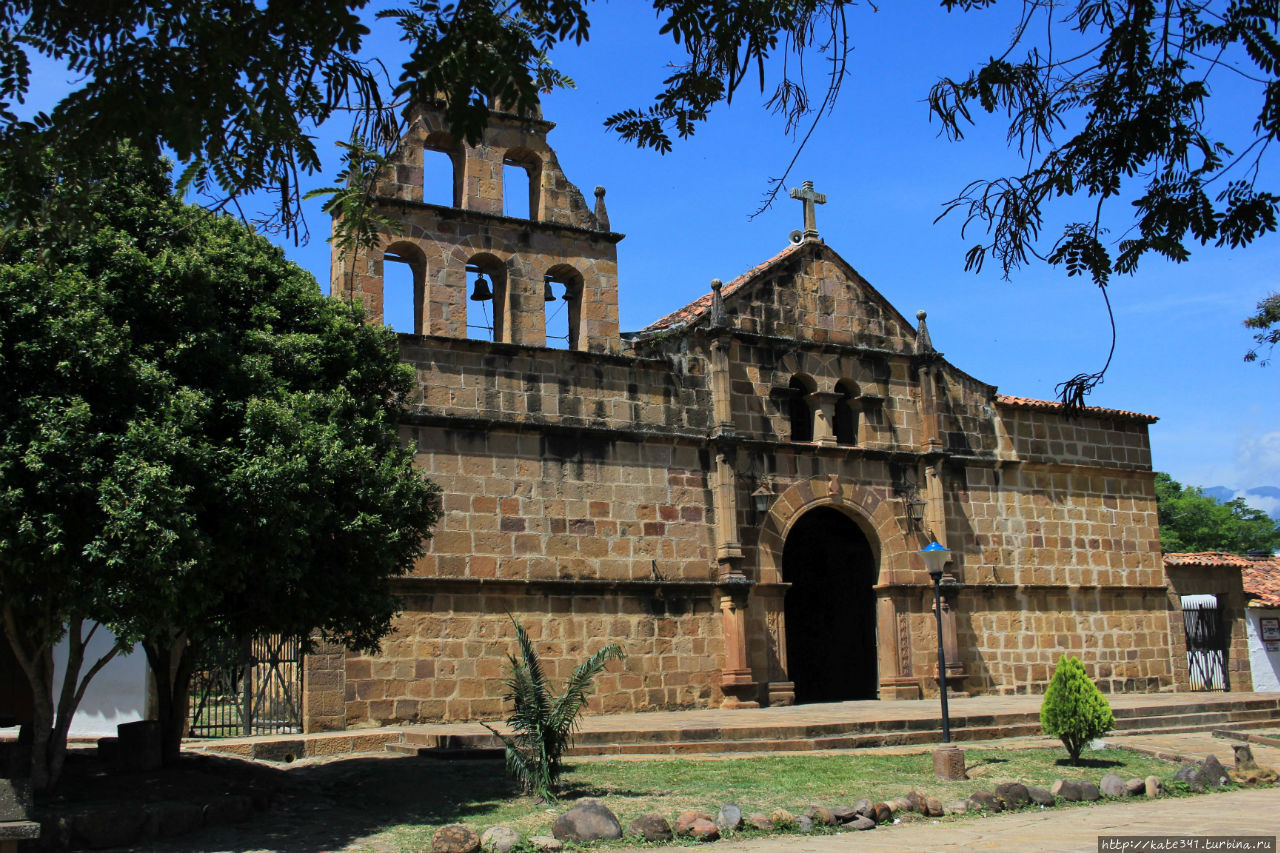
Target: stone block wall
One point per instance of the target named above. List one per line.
(1055, 525)
(1016, 634)
(446, 656)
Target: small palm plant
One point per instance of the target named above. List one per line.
(541, 726)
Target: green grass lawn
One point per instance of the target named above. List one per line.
(479, 795)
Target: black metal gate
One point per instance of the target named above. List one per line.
(247, 688)
(1206, 647)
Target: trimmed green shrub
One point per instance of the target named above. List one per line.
(1074, 708)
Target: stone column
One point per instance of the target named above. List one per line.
(893, 649)
(782, 690)
(736, 681)
(482, 184)
(324, 689)
(721, 386)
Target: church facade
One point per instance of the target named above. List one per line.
(737, 493)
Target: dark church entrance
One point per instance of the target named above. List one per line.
(830, 609)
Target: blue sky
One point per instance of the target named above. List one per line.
(886, 174)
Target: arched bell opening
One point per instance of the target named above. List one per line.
(521, 183)
(404, 270)
(830, 608)
(487, 295)
(442, 170)
(562, 306)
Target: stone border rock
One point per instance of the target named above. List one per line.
(864, 814)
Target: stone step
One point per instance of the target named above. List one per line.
(446, 754)
(1213, 711)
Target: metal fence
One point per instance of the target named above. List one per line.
(1206, 647)
(251, 687)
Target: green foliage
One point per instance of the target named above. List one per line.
(1119, 114)
(1192, 521)
(194, 441)
(542, 726)
(1267, 321)
(1074, 708)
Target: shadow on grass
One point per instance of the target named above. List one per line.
(326, 807)
(1088, 763)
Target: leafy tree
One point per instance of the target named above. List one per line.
(1190, 520)
(543, 725)
(195, 443)
(1074, 708)
(1107, 100)
(1113, 105)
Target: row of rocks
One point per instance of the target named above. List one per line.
(591, 820)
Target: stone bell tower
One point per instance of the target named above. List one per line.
(478, 273)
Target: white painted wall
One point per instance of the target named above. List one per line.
(117, 694)
(1265, 664)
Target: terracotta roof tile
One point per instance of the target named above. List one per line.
(1261, 578)
(1207, 559)
(695, 309)
(1262, 581)
(1056, 406)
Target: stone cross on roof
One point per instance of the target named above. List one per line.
(810, 198)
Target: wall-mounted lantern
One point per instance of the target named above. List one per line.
(762, 498)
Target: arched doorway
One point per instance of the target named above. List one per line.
(830, 608)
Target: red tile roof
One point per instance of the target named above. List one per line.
(1056, 406)
(1261, 577)
(1262, 581)
(695, 309)
(1208, 559)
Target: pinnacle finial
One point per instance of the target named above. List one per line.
(602, 215)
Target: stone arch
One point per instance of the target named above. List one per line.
(800, 389)
(565, 283)
(876, 516)
(494, 269)
(880, 520)
(845, 422)
(821, 368)
(438, 143)
(411, 255)
(526, 160)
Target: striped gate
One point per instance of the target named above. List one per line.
(1206, 642)
(247, 688)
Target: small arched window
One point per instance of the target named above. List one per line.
(562, 306)
(801, 408)
(846, 413)
(486, 297)
(403, 275)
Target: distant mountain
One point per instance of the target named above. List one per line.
(1221, 494)
(1265, 498)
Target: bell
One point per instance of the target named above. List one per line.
(481, 291)
(548, 295)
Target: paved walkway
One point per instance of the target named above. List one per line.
(1070, 830)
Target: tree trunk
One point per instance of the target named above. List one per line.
(50, 724)
(172, 661)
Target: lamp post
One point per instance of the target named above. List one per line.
(948, 761)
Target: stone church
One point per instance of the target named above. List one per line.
(735, 493)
